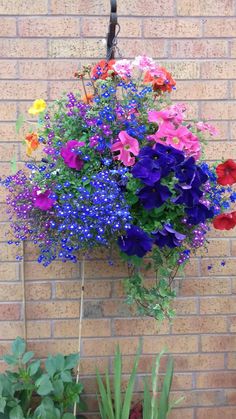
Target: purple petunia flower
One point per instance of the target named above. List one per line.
(198, 214)
(70, 156)
(154, 196)
(42, 199)
(168, 237)
(136, 242)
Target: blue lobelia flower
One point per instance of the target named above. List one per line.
(168, 237)
(154, 196)
(136, 242)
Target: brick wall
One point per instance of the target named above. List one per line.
(41, 44)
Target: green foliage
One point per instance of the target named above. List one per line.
(55, 387)
(156, 400)
(155, 300)
(119, 408)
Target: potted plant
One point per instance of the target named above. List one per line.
(29, 391)
(123, 169)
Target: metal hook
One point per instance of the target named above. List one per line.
(112, 31)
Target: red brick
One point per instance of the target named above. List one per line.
(182, 70)
(220, 305)
(138, 327)
(231, 361)
(130, 27)
(171, 28)
(35, 330)
(174, 344)
(230, 397)
(185, 306)
(217, 269)
(45, 347)
(22, 48)
(93, 289)
(9, 311)
(47, 69)
(218, 110)
(181, 413)
(90, 328)
(75, 48)
(199, 48)
(218, 343)
(219, 28)
(8, 26)
(7, 110)
(203, 8)
(144, 8)
(201, 324)
(52, 310)
(57, 270)
(219, 379)
(225, 69)
(23, 7)
(23, 90)
(216, 413)
(98, 347)
(201, 90)
(7, 151)
(215, 248)
(9, 271)
(232, 324)
(79, 7)
(49, 26)
(204, 286)
(38, 291)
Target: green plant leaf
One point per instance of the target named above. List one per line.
(58, 388)
(50, 366)
(59, 360)
(71, 361)
(165, 392)
(19, 122)
(16, 413)
(105, 404)
(68, 416)
(44, 385)
(117, 382)
(130, 387)
(18, 347)
(27, 357)
(10, 359)
(34, 367)
(66, 376)
(2, 404)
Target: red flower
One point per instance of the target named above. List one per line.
(161, 79)
(226, 172)
(101, 69)
(136, 412)
(225, 221)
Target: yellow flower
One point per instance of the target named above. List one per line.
(38, 106)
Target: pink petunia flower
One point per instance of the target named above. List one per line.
(203, 126)
(70, 156)
(42, 200)
(174, 113)
(144, 63)
(123, 68)
(128, 148)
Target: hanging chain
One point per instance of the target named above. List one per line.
(114, 30)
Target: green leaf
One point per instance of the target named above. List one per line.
(18, 347)
(10, 359)
(27, 357)
(68, 416)
(50, 366)
(66, 376)
(19, 122)
(117, 382)
(16, 413)
(71, 361)
(130, 387)
(2, 404)
(58, 388)
(13, 165)
(34, 367)
(44, 385)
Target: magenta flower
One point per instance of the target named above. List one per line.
(203, 126)
(174, 114)
(70, 156)
(128, 148)
(123, 68)
(42, 200)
